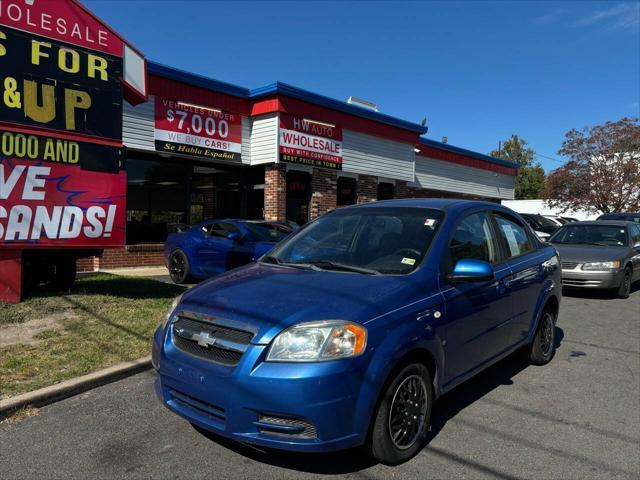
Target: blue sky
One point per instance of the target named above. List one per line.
(479, 71)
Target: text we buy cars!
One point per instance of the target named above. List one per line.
(346, 332)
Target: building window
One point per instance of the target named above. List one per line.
(385, 190)
(156, 199)
(346, 191)
(298, 196)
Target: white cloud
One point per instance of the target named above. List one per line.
(623, 16)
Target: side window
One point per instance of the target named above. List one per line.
(222, 229)
(635, 234)
(514, 235)
(473, 239)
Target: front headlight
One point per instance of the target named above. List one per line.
(172, 310)
(601, 266)
(318, 341)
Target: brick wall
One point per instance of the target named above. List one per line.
(147, 255)
(401, 190)
(324, 192)
(367, 188)
(275, 191)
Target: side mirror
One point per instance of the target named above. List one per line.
(472, 271)
(234, 236)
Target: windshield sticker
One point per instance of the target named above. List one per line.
(408, 261)
(429, 222)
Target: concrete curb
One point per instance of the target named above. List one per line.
(68, 388)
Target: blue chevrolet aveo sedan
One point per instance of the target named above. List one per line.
(346, 332)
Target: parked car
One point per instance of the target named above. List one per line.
(559, 221)
(599, 254)
(540, 223)
(542, 235)
(628, 217)
(214, 246)
(570, 219)
(346, 332)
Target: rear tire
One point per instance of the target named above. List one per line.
(179, 267)
(625, 286)
(543, 347)
(401, 422)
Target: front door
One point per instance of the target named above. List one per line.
(216, 250)
(475, 311)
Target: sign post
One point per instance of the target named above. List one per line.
(62, 163)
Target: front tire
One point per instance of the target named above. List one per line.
(401, 423)
(543, 348)
(625, 286)
(179, 267)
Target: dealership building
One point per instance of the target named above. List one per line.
(200, 148)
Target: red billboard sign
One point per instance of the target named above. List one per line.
(310, 142)
(198, 130)
(42, 204)
(62, 171)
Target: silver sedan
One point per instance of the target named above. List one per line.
(600, 254)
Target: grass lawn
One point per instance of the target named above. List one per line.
(102, 321)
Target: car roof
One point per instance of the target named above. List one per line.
(447, 204)
(612, 223)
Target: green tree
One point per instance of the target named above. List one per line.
(603, 171)
(530, 177)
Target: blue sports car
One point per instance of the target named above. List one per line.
(348, 330)
(215, 246)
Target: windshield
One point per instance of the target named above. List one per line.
(267, 232)
(544, 221)
(604, 235)
(390, 240)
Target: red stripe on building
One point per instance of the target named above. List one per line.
(167, 88)
(323, 114)
(453, 157)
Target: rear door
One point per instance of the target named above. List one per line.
(525, 262)
(474, 310)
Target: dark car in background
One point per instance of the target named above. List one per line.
(215, 246)
(627, 217)
(540, 223)
(599, 254)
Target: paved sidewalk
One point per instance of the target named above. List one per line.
(154, 273)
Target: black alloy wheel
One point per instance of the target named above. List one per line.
(408, 412)
(179, 267)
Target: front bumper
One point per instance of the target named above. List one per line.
(586, 279)
(264, 403)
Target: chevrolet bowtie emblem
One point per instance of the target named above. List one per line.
(204, 339)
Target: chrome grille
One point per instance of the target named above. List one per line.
(569, 265)
(210, 341)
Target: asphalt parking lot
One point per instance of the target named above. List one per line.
(578, 417)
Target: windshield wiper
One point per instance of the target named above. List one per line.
(277, 261)
(271, 259)
(330, 265)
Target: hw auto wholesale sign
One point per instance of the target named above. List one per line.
(197, 130)
(310, 142)
(62, 177)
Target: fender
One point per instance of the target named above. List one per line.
(549, 289)
(386, 356)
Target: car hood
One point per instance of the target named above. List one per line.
(589, 253)
(266, 299)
